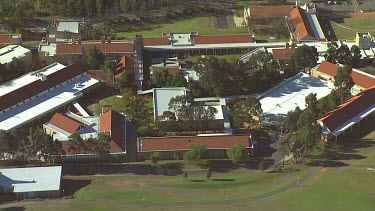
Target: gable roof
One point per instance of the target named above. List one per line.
(220, 39)
(183, 142)
(153, 41)
(103, 47)
(65, 123)
(349, 109)
(38, 86)
(114, 122)
(360, 78)
(5, 39)
(270, 11)
(125, 64)
(283, 54)
(300, 23)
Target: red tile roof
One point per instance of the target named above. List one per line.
(300, 23)
(103, 47)
(5, 39)
(65, 123)
(114, 122)
(171, 70)
(222, 39)
(270, 11)
(283, 54)
(183, 142)
(349, 109)
(39, 86)
(125, 64)
(153, 41)
(360, 78)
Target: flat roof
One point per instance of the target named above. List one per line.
(181, 39)
(29, 78)
(41, 105)
(31, 179)
(50, 49)
(162, 96)
(7, 53)
(315, 25)
(70, 26)
(285, 97)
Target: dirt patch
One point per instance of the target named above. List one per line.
(362, 15)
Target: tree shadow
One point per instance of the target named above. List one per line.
(170, 169)
(13, 209)
(70, 186)
(224, 180)
(198, 180)
(327, 163)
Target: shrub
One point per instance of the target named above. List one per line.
(208, 173)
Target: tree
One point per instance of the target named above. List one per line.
(343, 81)
(101, 145)
(356, 56)
(110, 69)
(125, 81)
(95, 58)
(77, 145)
(196, 153)
(247, 108)
(311, 101)
(236, 153)
(154, 157)
(290, 69)
(262, 166)
(208, 173)
(185, 174)
(284, 146)
(305, 57)
(331, 53)
(344, 56)
(291, 119)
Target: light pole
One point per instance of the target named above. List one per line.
(174, 162)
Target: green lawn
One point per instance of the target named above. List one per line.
(202, 25)
(354, 25)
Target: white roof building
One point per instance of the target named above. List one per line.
(9, 52)
(285, 97)
(32, 182)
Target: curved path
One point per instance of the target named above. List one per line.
(170, 204)
(349, 28)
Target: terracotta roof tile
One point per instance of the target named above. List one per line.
(153, 41)
(5, 39)
(39, 86)
(103, 47)
(114, 122)
(183, 142)
(300, 23)
(125, 64)
(270, 11)
(65, 123)
(283, 54)
(171, 70)
(349, 109)
(360, 78)
(220, 39)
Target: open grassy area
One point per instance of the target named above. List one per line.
(202, 25)
(348, 29)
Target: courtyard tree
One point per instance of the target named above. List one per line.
(208, 173)
(125, 81)
(284, 146)
(343, 81)
(154, 157)
(305, 57)
(356, 56)
(344, 55)
(196, 153)
(247, 108)
(236, 153)
(331, 53)
(95, 58)
(110, 69)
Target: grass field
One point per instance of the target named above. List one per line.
(350, 187)
(202, 25)
(353, 25)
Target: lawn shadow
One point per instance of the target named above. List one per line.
(224, 180)
(327, 163)
(198, 180)
(70, 186)
(13, 209)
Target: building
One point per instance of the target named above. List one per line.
(284, 54)
(9, 52)
(301, 22)
(126, 63)
(63, 126)
(349, 115)
(35, 95)
(61, 26)
(286, 96)
(175, 146)
(362, 80)
(7, 39)
(34, 182)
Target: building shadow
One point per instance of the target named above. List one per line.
(71, 186)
